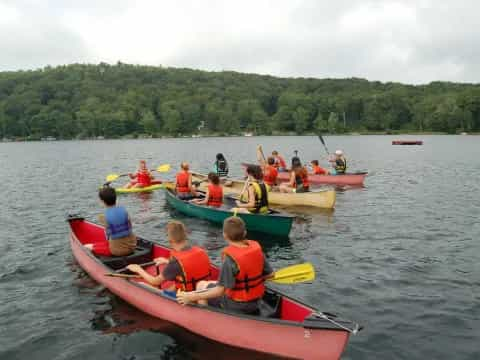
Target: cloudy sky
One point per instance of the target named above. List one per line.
(412, 41)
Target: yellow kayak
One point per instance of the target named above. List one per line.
(150, 188)
(324, 199)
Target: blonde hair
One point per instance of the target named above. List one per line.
(176, 231)
(234, 228)
(184, 165)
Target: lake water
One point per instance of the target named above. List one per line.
(400, 256)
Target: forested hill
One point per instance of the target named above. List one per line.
(84, 101)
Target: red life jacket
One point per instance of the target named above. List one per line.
(249, 282)
(317, 170)
(143, 178)
(195, 266)
(302, 179)
(280, 162)
(270, 176)
(182, 182)
(215, 197)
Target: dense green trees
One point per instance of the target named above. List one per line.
(84, 101)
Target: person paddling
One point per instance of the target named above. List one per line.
(244, 270)
(142, 178)
(280, 163)
(270, 173)
(186, 266)
(256, 200)
(183, 187)
(120, 240)
(317, 169)
(339, 163)
(214, 194)
(298, 178)
(221, 166)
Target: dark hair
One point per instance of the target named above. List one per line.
(234, 228)
(220, 157)
(255, 171)
(274, 152)
(315, 162)
(296, 162)
(214, 178)
(270, 160)
(108, 195)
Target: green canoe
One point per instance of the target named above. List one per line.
(273, 223)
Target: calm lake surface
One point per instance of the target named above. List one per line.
(400, 256)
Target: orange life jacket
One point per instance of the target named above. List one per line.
(143, 178)
(215, 197)
(249, 282)
(270, 176)
(302, 179)
(195, 266)
(280, 162)
(317, 170)
(182, 182)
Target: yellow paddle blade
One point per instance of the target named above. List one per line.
(163, 168)
(112, 177)
(295, 274)
(168, 185)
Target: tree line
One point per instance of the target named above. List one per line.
(87, 101)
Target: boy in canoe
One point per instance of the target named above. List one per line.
(118, 227)
(317, 169)
(242, 274)
(280, 163)
(214, 195)
(270, 173)
(339, 163)
(186, 266)
(183, 185)
(257, 193)
(298, 182)
(142, 178)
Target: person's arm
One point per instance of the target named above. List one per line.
(292, 179)
(192, 190)
(251, 199)
(185, 298)
(203, 201)
(102, 221)
(154, 280)
(268, 272)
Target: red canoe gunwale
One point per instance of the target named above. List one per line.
(302, 337)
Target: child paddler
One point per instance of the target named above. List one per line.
(186, 266)
(257, 193)
(120, 239)
(183, 185)
(142, 178)
(214, 195)
(242, 275)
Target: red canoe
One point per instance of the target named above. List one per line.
(407, 142)
(286, 327)
(346, 179)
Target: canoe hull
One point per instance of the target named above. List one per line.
(347, 179)
(324, 199)
(249, 332)
(279, 225)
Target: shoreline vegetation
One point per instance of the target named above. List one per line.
(82, 101)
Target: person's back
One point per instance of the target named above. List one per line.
(221, 166)
(340, 163)
(183, 185)
(302, 183)
(261, 198)
(270, 173)
(317, 169)
(215, 195)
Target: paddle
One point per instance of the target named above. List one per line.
(293, 274)
(112, 177)
(324, 145)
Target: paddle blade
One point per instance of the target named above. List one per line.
(295, 274)
(163, 168)
(112, 177)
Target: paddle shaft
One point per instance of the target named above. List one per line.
(323, 143)
(141, 265)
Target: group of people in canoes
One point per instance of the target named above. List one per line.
(244, 268)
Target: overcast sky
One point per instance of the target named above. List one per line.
(411, 41)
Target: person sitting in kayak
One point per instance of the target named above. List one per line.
(298, 178)
(186, 266)
(244, 270)
(270, 172)
(317, 169)
(280, 163)
(142, 178)
(120, 240)
(256, 201)
(221, 166)
(214, 194)
(339, 163)
(183, 187)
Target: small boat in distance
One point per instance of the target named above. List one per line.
(407, 142)
(49, 138)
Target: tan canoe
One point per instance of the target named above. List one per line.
(324, 199)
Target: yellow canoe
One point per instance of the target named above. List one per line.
(324, 199)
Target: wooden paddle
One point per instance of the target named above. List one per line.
(324, 145)
(112, 177)
(289, 275)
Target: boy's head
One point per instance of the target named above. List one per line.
(274, 152)
(214, 179)
(108, 195)
(234, 229)
(271, 160)
(220, 157)
(255, 171)
(176, 232)
(185, 166)
(314, 162)
(296, 162)
(143, 164)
